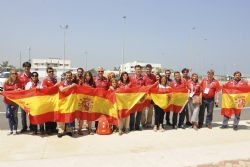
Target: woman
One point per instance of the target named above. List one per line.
(12, 84)
(158, 77)
(35, 83)
(88, 81)
(159, 113)
(123, 123)
(194, 101)
(113, 87)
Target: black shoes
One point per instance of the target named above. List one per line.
(235, 127)
(59, 135)
(224, 127)
(181, 126)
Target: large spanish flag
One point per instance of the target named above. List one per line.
(131, 100)
(178, 100)
(234, 99)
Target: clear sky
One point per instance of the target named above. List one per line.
(200, 34)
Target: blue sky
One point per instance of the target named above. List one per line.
(156, 31)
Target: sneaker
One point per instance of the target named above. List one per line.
(169, 124)
(224, 127)
(181, 126)
(189, 124)
(155, 128)
(174, 127)
(23, 130)
(126, 130)
(91, 132)
(235, 127)
(161, 128)
(80, 132)
(120, 132)
(209, 126)
(10, 133)
(69, 134)
(15, 132)
(59, 135)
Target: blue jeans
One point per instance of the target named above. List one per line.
(209, 105)
(11, 114)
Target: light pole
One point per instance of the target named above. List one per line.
(191, 47)
(123, 42)
(29, 48)
(86, 56)
(64, 28)
(20, 59)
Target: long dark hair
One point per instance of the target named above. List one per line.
(91, 80)
(121, 78)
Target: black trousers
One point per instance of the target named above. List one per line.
(159, 115)
(181, 118)
(167, 117)
(50, 126)
(135, 121)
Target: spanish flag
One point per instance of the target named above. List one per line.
(132, 100)
(178, 101)
(234, 99)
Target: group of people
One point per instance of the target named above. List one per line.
(203, 96)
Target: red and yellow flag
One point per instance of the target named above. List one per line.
(234, 99)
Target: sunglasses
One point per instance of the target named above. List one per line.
(50, 71)
(13, 73)
(34, 75)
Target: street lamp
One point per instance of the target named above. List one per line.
(191, 46)
(86, 55)
(64, 28)
(29, 48)
(123, 42)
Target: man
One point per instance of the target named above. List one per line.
(150, 79)
(65, 86)
(50, 81)
(185, 75)
(235, 83)
(100, 82)
(79, 77)
(178, 82)
(210, 95)
(169, 80)
(136, 80)
(23, 79)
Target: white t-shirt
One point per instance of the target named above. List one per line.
(29, 85)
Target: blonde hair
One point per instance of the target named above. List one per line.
(10, 79)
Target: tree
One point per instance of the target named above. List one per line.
(5, 66)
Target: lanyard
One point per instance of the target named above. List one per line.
(211, 84)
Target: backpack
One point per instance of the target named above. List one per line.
(104, 127)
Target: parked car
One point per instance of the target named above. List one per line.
(3, 77)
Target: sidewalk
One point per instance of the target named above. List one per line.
(146, 148)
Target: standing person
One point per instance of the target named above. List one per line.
(50, 81)
(79, 77)
(123, 123)
(169, 80)
(34, 83)
(65, 86)
(236, 82)
(210, 96)
(23, 79)
(178, 82)
(11, 84)
(147, 113)
(137, 81)
(88, 80)
(159, 113)
(185, 75)
(194, 91)
(100, 82)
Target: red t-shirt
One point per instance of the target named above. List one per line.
(65, 83)
(194, 87)
(234, 83)
(149, 79)
(10, 87)
(23, 79)
(181, 84)
(123, 85)
(136, 81)
(48, 82)
(209, 88)
(101, 82)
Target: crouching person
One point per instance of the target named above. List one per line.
(64, 86)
